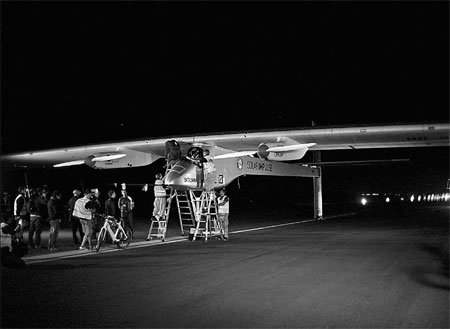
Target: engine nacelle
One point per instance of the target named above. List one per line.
(131, 159)
(289, 155)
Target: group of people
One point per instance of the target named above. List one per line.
(33, 208)
(84, 213)
(159, 205)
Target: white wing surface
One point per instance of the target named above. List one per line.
(145, 151)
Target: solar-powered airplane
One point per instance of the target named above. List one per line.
(244, 153)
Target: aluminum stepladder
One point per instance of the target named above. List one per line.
(205, 211)
(158, 228)
(185, 213)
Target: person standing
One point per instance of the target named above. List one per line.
(37, 205)
(7, 208)
(111, 205)
(111, 210)
(54, 218)
(210, 171)
(195, 154)
(76, 225)
(159, 205)
(96, 219)
(21, 214)
(126, 206)
(85, 216)
(223, 203)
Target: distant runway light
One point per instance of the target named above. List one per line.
(363, 201)
(419, 198)
(387, 199)
(412, 198)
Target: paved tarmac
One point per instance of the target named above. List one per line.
(373, 269)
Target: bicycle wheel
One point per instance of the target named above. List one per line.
(101, 237)
(125, 236)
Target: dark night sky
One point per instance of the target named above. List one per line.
(86, 72)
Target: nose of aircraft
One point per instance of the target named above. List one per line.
(182, 174)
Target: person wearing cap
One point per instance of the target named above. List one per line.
(76, 225)
(85, 216)
(223, 204)
(54, 218)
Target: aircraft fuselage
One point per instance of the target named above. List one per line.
(183, 174)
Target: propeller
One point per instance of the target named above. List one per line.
(235, 154)
(69, 163)
(109, 157)
(288, 148)
(96, 157)
(264, 150)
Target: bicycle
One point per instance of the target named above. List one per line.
(120, 235)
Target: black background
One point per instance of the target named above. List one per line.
(85, 72)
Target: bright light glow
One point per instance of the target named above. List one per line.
(363, 201)
(447, 196)
(69, 163)
(109, 157)
(412, 198)
(429, 198)
(419, 197)
(402, 199)
(387, 199)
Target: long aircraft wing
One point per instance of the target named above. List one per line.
(324, 138)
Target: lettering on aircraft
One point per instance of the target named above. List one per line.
(255, 165)
(240, 164)
(190, 180)
(220, 179)
(278, 154)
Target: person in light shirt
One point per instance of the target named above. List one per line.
(210, 171)
(85, 216)
(223, 203)
(159, 205)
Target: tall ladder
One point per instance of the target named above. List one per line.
(158, 228)
(205, 211)
(185, 213)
